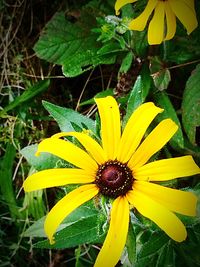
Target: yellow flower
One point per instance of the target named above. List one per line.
(162, 26)
(118, 168)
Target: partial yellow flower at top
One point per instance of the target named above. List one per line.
(162, 26)
(118, 168)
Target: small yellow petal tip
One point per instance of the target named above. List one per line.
(52, 241)
(37, 154)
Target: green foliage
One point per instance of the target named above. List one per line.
(84, 225)
(74, 46)
(163, 101)
(191, 105)
(6, 181)
(78, 37)
(28, 95)
(68, 119)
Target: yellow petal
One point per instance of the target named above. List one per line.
(69, 152)
(110, 125)
(135, 130)
(156, 25)
(115, 240)
(173, 199)
(140, 22)
(65, 206)
(167, 169)
(92, 147)
(185, 13)
(120, 3)
(160, 215)
(171, 21)
(57, 177)
(153, 143)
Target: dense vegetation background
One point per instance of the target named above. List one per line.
(30, 72)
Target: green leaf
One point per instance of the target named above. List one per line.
(6, 185)
(84, 225)
(36, 229)
(67, 118)
(151, 252)
(162, 79)
(44, 161)
(161, 98)
(139, 92)
(84, 211)
(72, 45)
(191, 105)
(126, 62)
(30, 93)
(131, 244)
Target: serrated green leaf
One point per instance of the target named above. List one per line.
(44, 161)
(67, 118)
(72, 45)
(162, 100)
(30, 93)
(191, 105)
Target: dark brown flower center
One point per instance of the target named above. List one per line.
(114, 178)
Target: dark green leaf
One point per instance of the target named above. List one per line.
(6, 180)
(126, 62)
(30, 93)
(72, 45)
(66, 118)
(151, 251)
(139, 92)
(164, 102)
(191, 105)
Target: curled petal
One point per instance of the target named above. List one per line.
(92, 147)
(159, 214)
(57, 177)
(173, 199)
(120, 3)
(69, 152)
(156, 25)
(140, 22)
(135, 130)
(153, 143)
(110, 125)
(115, 240)
(167, 169)
(65, 206)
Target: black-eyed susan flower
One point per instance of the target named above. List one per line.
(118, 168)
(162, 25)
